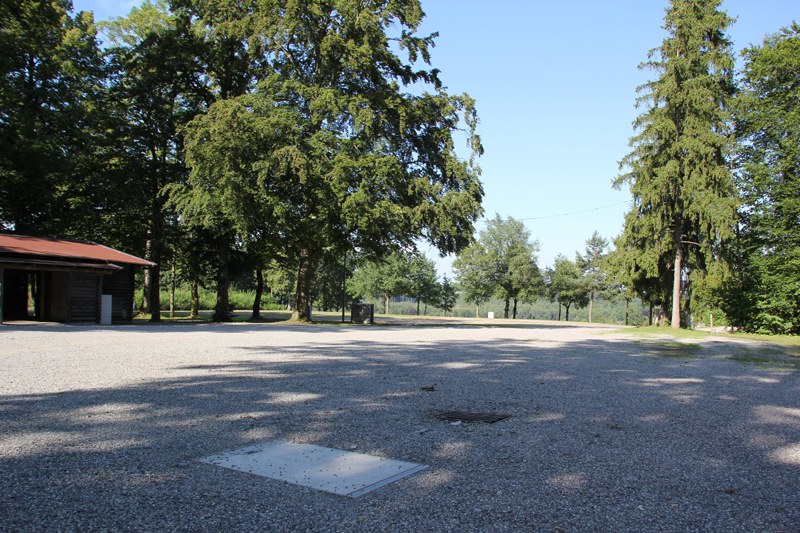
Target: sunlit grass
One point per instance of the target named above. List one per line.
(653, 332)
(783, 340)
(764, 360)
(678, 350)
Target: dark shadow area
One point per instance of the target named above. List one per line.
(605, 435)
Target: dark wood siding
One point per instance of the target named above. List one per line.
(120, 286)
(56, 296)
(85, 293)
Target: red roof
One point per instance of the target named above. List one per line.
(20, 244)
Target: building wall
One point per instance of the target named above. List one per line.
(56, 296)
(68, 296)
(85, 297)
(120, 285)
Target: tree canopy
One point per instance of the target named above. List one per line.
(565, 285)
(327, 152)
(51, 71)
(763, 294)
(503, 263)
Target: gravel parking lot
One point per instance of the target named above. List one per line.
(101, 428)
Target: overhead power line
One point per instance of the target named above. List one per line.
(568, 214)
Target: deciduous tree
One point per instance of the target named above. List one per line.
(510, 245)
(51, 77)
(590, 263)
(763, 294)
(160, 88)
(422, 280)
(387, 277)
(566, 285)
(331, 152)
(474, 270)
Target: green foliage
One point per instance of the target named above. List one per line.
(139, 24)
(385, 277)
(328, 153)
(158, 89)
(566, 285)
(593, 275)
(327, 287)
(501, 263)
(683, 197)
(50, 88)
(447, 296)
(763, 294)
(423, 285)
(241, 300)
(475, 273)
(516, 275)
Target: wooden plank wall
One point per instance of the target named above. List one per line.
(86, 292)
(56, 296)
(120, 285)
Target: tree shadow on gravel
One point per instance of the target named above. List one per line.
(603, 436)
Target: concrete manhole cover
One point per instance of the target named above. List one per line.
(467, 416)
(327, 469)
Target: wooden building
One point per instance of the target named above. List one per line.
(65, 280)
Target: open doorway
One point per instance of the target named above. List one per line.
(22, 294)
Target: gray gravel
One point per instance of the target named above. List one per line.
(101, 429)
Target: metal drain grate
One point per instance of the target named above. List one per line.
(467, 416)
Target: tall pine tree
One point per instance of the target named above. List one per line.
(683, 196)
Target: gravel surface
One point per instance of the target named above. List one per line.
(101, 428)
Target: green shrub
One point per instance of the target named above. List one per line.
(242, 300)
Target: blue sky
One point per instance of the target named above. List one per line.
(555, 85)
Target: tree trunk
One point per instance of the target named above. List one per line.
(259, 290)
(505, 312)
(195, 310)
(566, 308)
(676, 285)
(222, 312)
(344, 286)
(559, 311)
(477, 310)
(155, 294)
(591, 306)
(172, 290)
(385, 304)
(302, 300)
(417, 305)
(651, 315)
(662, 314)
(627, 304)
(514, 315)
(148, 254)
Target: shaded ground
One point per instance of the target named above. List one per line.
(101, 428)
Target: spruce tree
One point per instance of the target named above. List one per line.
(683, 197)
